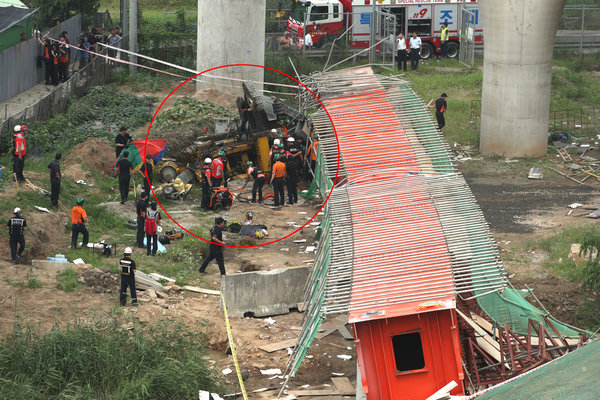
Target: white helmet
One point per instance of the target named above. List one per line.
(207, 160)
(276, 141)
(17, 210)
(273, 130)
(290, 139)
(17, 128)
(128, 250)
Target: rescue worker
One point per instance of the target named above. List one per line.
(215, 247)
(274, 149)
(294, 148)
(121, 140)
(277, 180)
(78, 218)
(151, 227)
(444, 39)
(218, 170)
(312, 153)
(127, 277)
(440, 109)
(55, 178)
(207, 184)
(292, 168)
(148, 169)
(140, 211)
(19, 155)
(249, 218)
(124, 170)
(259, 181)
(16, 231)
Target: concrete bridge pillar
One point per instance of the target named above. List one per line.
(231, 32)
(517, 74)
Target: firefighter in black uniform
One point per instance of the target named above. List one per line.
(55, 178)
(259, 181)
(140, 209)
(440, 108)
(215, 248)
(16, 230)
(292, 168)
(206, 184)
(148, 167)
(127, 277)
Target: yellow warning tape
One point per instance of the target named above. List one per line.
(235, 361)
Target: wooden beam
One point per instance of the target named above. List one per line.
(271, 347)
(344, 386)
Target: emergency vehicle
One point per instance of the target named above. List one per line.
(327, 19)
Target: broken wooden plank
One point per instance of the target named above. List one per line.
(331, 326)
(567, 176)
(344, 386)
(443, 392)
(201, 290)
(271, 347)
(484, 340)
(313, 392)
(345, 332)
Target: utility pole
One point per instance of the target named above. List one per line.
(125, 19)
(372, 37)
(133, 31)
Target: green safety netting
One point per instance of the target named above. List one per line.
(510, 307)
(573, 376)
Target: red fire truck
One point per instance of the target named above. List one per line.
(327, 19)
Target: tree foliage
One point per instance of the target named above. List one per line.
(52, 12)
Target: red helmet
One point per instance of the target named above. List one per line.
(24, 128)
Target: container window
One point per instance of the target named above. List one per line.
(408, 352)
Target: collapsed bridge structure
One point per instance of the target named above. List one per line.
(406, 253)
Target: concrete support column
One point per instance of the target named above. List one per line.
(231, 32)
(517, 74)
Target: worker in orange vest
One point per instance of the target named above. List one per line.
(277, 177)
(218, 170)
(312, 153)
(78, 217)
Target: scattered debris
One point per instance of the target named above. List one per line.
(158, 277)
(575, 205)
(270, 320)
(564, 155)
(271, 371)
(567, 176)
(535, 173)
(78, 261)
(226, 371)
(345, 332)
(43, 209)
(271, 347)
(594, 214)
(344, 357)
(309, 249)
(337, 373)
(201, 290)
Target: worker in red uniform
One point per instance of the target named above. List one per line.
(19, 154)
(277, 179)
(207, 184)
(218, 170)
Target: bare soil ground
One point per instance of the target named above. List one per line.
(518, 211)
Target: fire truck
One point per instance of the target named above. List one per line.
(327, 19)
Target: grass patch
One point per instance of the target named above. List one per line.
(30, 283)
(67, 280)
(558, 247)
(93, 115)
(104, 359)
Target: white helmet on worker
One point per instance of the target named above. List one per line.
(276, 142)
(290, 139)
(128, 250)
(17, 128)
(207, 160)
(17, 211)
(273, 130)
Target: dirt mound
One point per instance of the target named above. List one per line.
(224, 99)
(94, 153)
(101, 279)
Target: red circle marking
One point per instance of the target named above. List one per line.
(257, 66)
